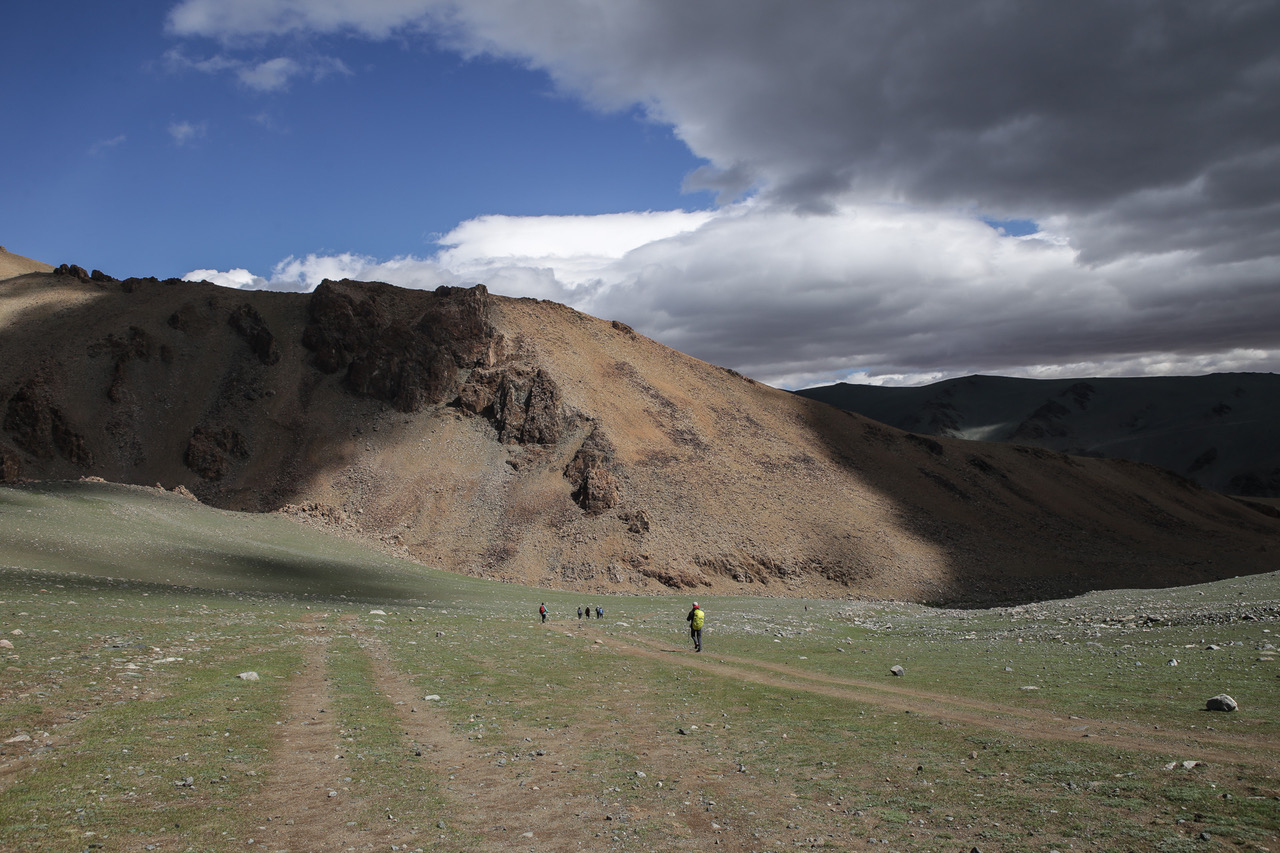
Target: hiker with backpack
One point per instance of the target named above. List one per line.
(542, 611)
(696, 618)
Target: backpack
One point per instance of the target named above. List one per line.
(698, 618)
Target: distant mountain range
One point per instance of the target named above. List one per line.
(524, 441)
(1220, 430)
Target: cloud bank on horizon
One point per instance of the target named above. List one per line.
(866, 156)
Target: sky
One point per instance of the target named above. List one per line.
(805, 191)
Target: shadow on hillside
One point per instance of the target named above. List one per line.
(1011, 525)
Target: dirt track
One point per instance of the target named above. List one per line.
(1042, 725)
(545, 800)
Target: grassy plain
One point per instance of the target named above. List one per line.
(124, 724)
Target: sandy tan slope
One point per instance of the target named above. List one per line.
(523, 440)
(12, 265)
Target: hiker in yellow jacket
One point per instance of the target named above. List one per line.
(695, 619)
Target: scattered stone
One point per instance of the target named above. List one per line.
(434, 697)
(6, 644)
(1173, 662)
(1029, 687)
(377, 613)
(248, 676)
(640, 774)
(16, 632)
(897, 671)
(526, 835)
(19, 739)
(332, 794)
(1212, 648)
(1187, 765)
(1221, 702)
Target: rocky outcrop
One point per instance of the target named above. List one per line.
(637, 521)
(675, 577)
(595, 488)
(404, 347)
(250, 326)
(136, 345)
(211, 451)
(521, 401)
(10, 465)
(75, 271)
(40, 428)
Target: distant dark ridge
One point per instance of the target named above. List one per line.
(1219, 430)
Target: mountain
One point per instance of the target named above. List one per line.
(12, 265)
(521, 440)
(1219, 430)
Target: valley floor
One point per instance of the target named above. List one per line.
(465, 724)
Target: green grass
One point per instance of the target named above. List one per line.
(116, 721)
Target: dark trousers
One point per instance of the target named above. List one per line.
(696, 633)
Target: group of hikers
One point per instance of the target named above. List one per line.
(696, 619)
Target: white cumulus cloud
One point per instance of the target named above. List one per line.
(872, 139)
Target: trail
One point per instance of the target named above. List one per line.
(539, 798)
(1026, 722)
(296, 812)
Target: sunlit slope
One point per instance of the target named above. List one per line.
(524, 441)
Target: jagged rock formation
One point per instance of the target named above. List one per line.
(522, 440)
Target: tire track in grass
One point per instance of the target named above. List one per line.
(531, 801)
(306, 805)
(1040, 725)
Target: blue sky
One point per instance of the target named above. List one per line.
(136, 163)
(865, 191)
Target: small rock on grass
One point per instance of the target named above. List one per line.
(1221, 702)
(897, 671)
(248, 676)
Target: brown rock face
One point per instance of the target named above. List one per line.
(407, 355)
(250, 326)
(595, 487)
(520, 400)
(212, 451)
(10, 465)
(39, 427)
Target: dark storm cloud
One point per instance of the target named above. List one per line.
(1019, 109)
